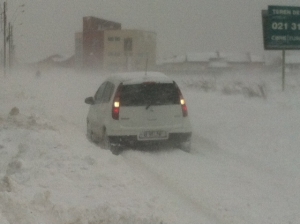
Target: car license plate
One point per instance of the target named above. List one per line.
(153, 135)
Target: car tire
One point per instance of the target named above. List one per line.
(185, 146)
(88, 131)
(116, 150)
(90, 134)
(107, 144)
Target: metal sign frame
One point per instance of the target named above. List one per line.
(281, 28)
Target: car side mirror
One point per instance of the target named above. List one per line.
(90, 100)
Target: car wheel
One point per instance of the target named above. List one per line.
(116, 150)
(107, 144)
(90, 134)
(88, 131)
(185, 146)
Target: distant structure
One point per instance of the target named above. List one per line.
(104, 45)
(211, 62)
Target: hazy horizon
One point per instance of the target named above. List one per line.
(48, 27)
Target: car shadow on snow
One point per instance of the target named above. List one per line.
(151, 147)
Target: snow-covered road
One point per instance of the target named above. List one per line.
(243, 168)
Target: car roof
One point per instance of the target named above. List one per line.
(129, 78)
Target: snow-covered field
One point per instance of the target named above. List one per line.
(244, 166)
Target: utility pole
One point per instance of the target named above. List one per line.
(4, 39)
(10, 45)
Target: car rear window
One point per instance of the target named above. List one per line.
(147, 94)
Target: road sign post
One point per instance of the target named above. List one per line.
(283, 70)
(281, 30)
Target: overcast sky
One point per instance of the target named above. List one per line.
(47, 27)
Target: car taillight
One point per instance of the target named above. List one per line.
(116, 110)
(116, 105)
(183, 104)
(183, 107)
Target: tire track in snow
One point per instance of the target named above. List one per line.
(207, 214)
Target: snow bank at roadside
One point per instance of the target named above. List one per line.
(37, 171)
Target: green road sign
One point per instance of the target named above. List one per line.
(282, 28)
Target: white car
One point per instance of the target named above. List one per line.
(136, 108)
